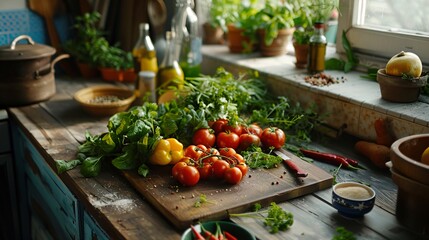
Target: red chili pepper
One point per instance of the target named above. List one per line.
(229, 236)
(330, 158)
(197, 234)
(209, 235)
(353, 162)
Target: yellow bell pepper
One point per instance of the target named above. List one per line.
(168, 151)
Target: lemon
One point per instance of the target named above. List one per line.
(425, 156)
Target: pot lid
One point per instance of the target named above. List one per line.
(27, 51)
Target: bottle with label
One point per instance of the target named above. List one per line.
(317, 50)
(144, 52)
(187, 38)
(170, 74)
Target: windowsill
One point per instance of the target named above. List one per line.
(352, 105)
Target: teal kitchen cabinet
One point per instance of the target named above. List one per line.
(48, 209)
(8, 207)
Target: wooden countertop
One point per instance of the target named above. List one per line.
(57, 127)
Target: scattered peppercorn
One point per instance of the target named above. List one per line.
(104, 99)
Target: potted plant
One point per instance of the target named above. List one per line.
(114, 63)
(276, 26)
(215, 27)
(301, 36)
(81, 46)
(241, 26)
(308, 12)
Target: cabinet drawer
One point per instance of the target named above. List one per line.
(47, 182)
(51, 220)
(91, 230)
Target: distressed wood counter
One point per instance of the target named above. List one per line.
(56, 127)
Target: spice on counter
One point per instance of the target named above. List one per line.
(323, 79)
(105, 99)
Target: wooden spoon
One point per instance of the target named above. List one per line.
(46, 9)
(157, 15)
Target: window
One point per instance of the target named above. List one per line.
(382, 28)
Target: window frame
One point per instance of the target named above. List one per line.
(372, 43)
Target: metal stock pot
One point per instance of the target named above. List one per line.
(26, 72)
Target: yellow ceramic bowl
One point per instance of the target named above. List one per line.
(102, 101)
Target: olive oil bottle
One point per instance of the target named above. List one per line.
(144, 51)
(170, 74)
(317, 50)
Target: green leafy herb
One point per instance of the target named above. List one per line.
(256, 158)
(201, 200)
(339, 64)
(276, 220)
(343, 234)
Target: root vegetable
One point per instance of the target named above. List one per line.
(378, 154)
(384, 135)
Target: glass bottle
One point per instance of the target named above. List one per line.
(170, 73)
(146, 87)
(317, 50)
(144, 52)
(188, 39)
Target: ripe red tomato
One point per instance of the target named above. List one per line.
(247, 140)
(238, 158)
(233, 175)
(188, 176)
(219, 168)
(210, 156)
(217, 126)
(227, 152)
(243, 168)
(194, 152)
(206, 171)
(227, 139)
(273, 137)
(204, 136)
(177, 168)
(236, 128)
(253, 129)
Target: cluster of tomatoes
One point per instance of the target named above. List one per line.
(215, 152)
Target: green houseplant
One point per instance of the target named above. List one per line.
(241, 26)
(81, 46)
(307, 13)
(90, 47)
(273, 20)
(114, 63)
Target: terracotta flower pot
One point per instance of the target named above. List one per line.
(87, 71)
(111, 74)
(237, 41)
(213, 35)
(396, 89)
(301, 54)
(279, 44)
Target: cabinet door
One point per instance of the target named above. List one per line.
(8, 207)
(91, 230)
(48, 202)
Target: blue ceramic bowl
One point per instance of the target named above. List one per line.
(352, 199)
(234, 229)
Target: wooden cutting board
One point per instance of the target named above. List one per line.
(262, 186)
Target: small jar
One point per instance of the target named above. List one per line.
(147, 87)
